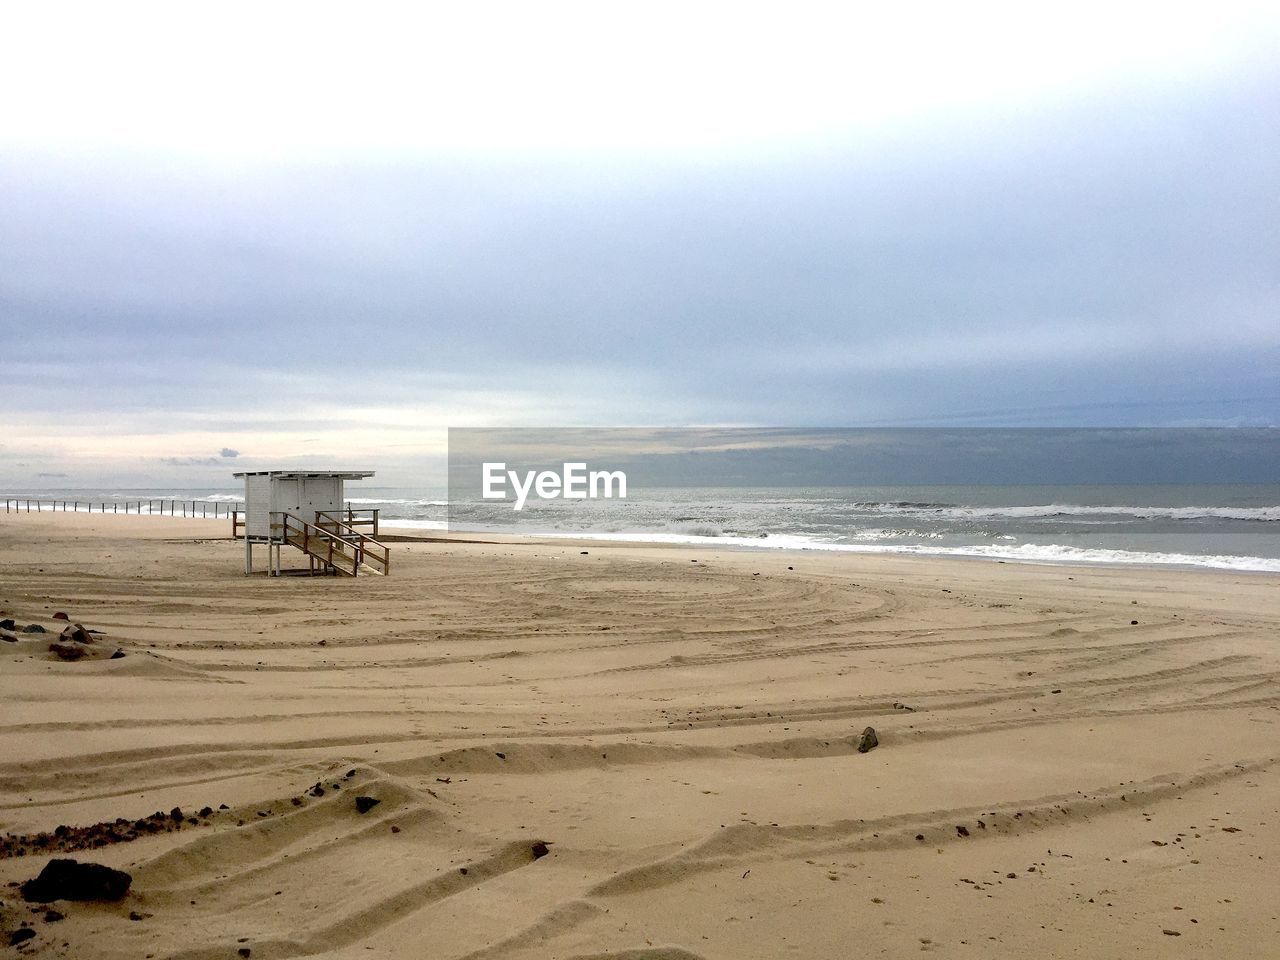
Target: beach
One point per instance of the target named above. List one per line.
(641, 751)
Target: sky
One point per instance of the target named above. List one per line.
(246, 236)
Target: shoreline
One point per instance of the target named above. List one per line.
(734, 544)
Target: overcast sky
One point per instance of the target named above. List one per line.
(246, 236)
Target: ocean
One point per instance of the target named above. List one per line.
(1234, 526)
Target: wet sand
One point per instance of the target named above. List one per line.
(596, 750)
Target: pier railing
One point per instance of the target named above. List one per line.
(157, 508)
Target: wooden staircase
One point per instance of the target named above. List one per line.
(332, 545)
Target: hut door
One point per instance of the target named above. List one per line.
(288, 499)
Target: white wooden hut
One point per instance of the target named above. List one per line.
(308, 510)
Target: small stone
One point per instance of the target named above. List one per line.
(539, 849)
(8, 636)
(60, 616)
(77, 633)
(868, 740)
(1171, 933)
(34, 628)
(118, 655)
(8, 624)
(66, 650)
(21, 935)
(962, 830)
(53, 916)
(365, 804)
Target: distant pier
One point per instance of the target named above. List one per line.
(155, 508)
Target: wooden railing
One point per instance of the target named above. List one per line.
(155, 508)
(351, 518)
(329, 549)
(372, 549)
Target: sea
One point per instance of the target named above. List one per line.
(1235, 526)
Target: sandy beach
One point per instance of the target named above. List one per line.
(602, 750)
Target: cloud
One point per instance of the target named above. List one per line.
(51, 476)
(1101, 256)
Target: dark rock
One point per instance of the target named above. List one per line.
(365, 804)
(244, 951)
(868, 740)
(206, 811)
(21, 935)
(962, 830)
(53, 916)
(176, 813)
(8, 636)
(60, 616)
(8, 624)
(34, 628)
(78, 633)
(72, 880)
(68, 650)
(500, 756)
(539, 849)
(118, 655)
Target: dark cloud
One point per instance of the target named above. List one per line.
(228, 452)
(1111, 261)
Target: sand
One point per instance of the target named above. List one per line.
(674, 728)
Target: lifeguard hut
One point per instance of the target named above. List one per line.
(308, 510)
